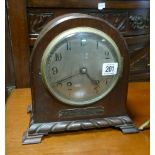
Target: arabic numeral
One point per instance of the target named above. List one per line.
(97, 45)
(54, 70)
(68, 46)
(106, 53)
(58, 56)
(109, 68)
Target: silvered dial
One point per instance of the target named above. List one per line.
(73, 65)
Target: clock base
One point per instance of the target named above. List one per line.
(36, 131)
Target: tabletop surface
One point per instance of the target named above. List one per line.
(92, 142)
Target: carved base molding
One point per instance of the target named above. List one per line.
(36, 131)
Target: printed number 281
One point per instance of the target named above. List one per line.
(109, 69)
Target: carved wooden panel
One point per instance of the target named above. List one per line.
(130, 17)
(38, 20)
(117, 19)
(126, 21)
(139, 22)
(139, 57)
(133, 24)
(140, 67)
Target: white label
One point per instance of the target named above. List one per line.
(109, 68)
(101, 6)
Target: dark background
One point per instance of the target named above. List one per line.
(26, 18)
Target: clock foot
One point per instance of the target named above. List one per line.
(128, 128)
(31, 139)
(36, 131)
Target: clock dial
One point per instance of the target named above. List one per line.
(81, 65)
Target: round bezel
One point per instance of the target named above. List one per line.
(57, 40)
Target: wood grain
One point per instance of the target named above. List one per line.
(133, 24)
(50, 31)
(19, 36)
(93, 142)
(88, 4)
(9, 65)
(18, 11)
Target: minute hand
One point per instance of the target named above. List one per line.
(66, 78)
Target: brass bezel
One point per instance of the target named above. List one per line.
(60, 37)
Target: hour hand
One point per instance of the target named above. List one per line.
(92, 80)
(84, 71)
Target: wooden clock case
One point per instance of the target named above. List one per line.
(50, 115)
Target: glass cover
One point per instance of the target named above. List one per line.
(81, 66)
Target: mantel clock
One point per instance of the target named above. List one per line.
(79, 78)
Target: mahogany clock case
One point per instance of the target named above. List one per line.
(46, 109)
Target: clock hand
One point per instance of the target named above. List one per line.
(84, 71)
(66, 78)
(92, 80)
